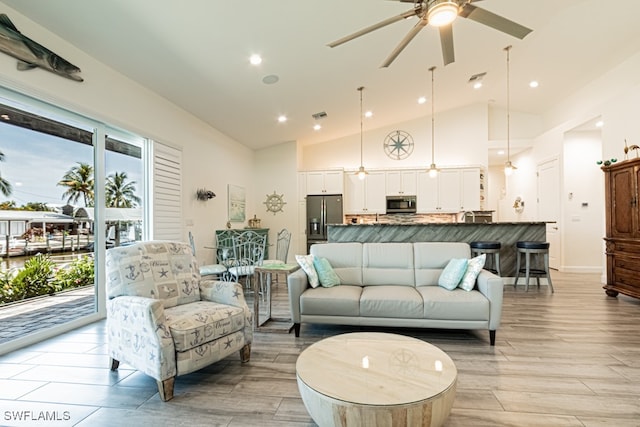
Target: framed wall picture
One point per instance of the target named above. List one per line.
(237, 203)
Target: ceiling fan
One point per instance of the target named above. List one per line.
(440, 13)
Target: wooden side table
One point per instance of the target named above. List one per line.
(269, 323)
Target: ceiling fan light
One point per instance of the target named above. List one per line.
(442, 12)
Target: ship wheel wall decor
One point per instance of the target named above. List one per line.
(275, 202)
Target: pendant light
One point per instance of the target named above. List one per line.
(362, 173)
(433, 170)
(508, 166)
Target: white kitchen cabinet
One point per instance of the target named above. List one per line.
(453, 190)
(365, 196)
(401, 183)
(302, 186)
(325, 182)
(470, 189)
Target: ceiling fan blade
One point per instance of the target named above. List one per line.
(388, 21)
(494, 21)
(446, 41)
(403, 43)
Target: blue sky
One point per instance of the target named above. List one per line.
(35, 162)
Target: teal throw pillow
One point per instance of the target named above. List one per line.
(326, 275)
(452, 273)
(474, 266)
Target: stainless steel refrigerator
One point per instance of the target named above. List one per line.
(322, 210)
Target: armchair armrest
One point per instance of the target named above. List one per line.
(297, 282)
(492, 287)
(139, 336)
(229, 293)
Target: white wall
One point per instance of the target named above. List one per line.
(455, 144)
(275, 170)
(583, 185)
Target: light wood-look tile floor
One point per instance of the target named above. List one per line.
(566, 359)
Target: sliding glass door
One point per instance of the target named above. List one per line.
(70, 187)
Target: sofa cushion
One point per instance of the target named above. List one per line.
(306, 263)
(326, 275)
(387, 264)
(194, 324)
(343, 300)
(391, 301)
(442, 304)
(430, 258)
(474, 266)
(345, 258)
(453, 273)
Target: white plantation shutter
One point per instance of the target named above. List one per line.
(167, 193)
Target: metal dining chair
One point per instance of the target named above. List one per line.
(248, 252)
(216, 270)
(282, 251)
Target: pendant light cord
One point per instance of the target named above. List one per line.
(508, 49)
(433, 120)
(360, 89)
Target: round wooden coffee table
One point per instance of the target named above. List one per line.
(376, 379)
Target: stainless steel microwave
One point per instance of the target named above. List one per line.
(401, 204)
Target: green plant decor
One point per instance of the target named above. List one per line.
(33, 279)
(41, 276)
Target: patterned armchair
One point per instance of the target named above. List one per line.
(164, 320)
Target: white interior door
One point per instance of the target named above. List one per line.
(549, 206)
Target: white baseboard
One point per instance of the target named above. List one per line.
(581, 269)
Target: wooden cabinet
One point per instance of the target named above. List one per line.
(453, 190)
(365, 196)
(401, 183)
(325, 182)
(622, 228)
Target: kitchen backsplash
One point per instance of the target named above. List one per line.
(400, 218)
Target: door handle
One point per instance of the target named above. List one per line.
(555, 228)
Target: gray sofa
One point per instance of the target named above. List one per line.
(395, 285)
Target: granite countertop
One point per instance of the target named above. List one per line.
(413, 224)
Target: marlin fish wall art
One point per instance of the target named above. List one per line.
(31, 54)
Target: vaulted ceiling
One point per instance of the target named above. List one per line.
(195, 53)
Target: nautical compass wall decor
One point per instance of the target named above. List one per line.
(275, 202)
(398, 145)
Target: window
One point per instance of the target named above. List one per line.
(60, 173)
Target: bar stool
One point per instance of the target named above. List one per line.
(490, 248)
(532, 248)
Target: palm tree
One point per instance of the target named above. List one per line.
(79, 183)
(5, 186)
(120, 193)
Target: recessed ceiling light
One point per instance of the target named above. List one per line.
(500, 152)
(255, 59)
(533, 84)
(422, 100)
(599, 123)
(368, 114)
(477, 85)
(317, 127)
(282, 118)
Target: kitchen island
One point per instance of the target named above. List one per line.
(507, 233)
